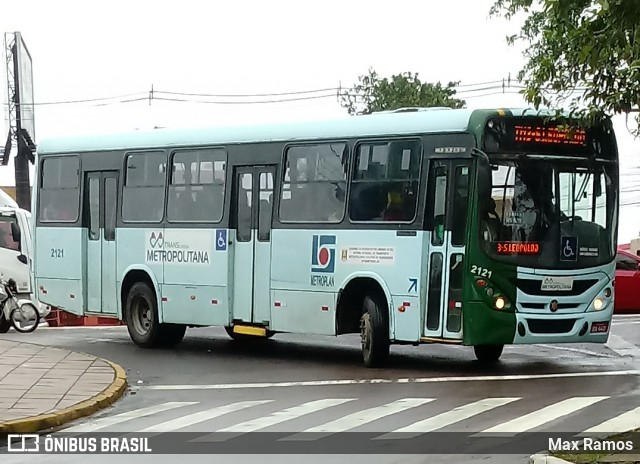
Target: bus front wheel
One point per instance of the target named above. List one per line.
(374, 334)
(488, 354)
(141, 314)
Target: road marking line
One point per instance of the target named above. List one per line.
(446, 418)
(576, 350)
(80, 327)
(274, 419)
(622, 347)
(201, 416)
(544, 415)
(625, 316)
(357, 419)
(324, 383)
(101, 423)
(629, 420)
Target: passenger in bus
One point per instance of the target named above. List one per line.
(368, 202)
(184, 205)
(395, 207)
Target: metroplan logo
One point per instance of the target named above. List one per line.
(156, 241)
(323, 253)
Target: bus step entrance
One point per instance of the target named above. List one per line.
(250, 330)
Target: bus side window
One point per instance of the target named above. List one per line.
(314, 189)
(196, 188)
(385, 181)
(59, 196)
(460, 204)
(437, 202)
(143, 193)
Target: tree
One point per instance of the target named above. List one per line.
(583, 55)
(373, 93)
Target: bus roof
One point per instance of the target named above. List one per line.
(402, 122)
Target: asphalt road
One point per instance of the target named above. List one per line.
(317, 385)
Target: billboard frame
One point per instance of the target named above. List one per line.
(24, 96)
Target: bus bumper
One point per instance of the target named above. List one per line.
(590, 327)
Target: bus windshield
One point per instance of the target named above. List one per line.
(549, 214)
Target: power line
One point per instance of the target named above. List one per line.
(248, 95)
(502, 86)
(242, 102)
(88, 100)
(498, 84)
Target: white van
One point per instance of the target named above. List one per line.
(16, 250)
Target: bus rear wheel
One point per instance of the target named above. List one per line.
(141, 313)
(374, 333)
(488, 354)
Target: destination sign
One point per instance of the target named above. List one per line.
(535, 135)
(548, 135)
(520, 248)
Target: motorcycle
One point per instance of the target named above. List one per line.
(22, 315)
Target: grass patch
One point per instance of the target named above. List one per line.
(580, 458)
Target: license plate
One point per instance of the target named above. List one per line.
(599, 327)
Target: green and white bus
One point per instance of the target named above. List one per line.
(473, 227)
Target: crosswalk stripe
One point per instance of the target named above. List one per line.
(357, 419)
(447, 418)
(104, 422)
(201, 416)
(275, 418)
(544, 415)
(629, 420)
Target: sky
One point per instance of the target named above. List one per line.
(98, 49)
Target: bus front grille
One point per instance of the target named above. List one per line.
(532, 287)
(550, 326)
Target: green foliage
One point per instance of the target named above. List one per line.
(373, 93)
(583, 55)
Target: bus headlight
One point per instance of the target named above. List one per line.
(598, 304)
(500, 302)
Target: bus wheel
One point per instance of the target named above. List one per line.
(5, 324)
(142, 316)
(488, 354)
(171, 334)
(374, 334)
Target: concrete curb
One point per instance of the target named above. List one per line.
(85, 408)
(546, 459)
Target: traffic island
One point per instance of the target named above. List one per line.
(44, 387)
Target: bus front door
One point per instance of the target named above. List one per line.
(253, 207)
(100, 213)
(447, 207)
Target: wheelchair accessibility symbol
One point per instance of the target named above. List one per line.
(569, 249)
(221, 240)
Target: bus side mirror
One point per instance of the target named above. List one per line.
(22, 258)
(15, 232)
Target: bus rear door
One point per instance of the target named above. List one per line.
(100, 212)
(253, 208)
(447, 207)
